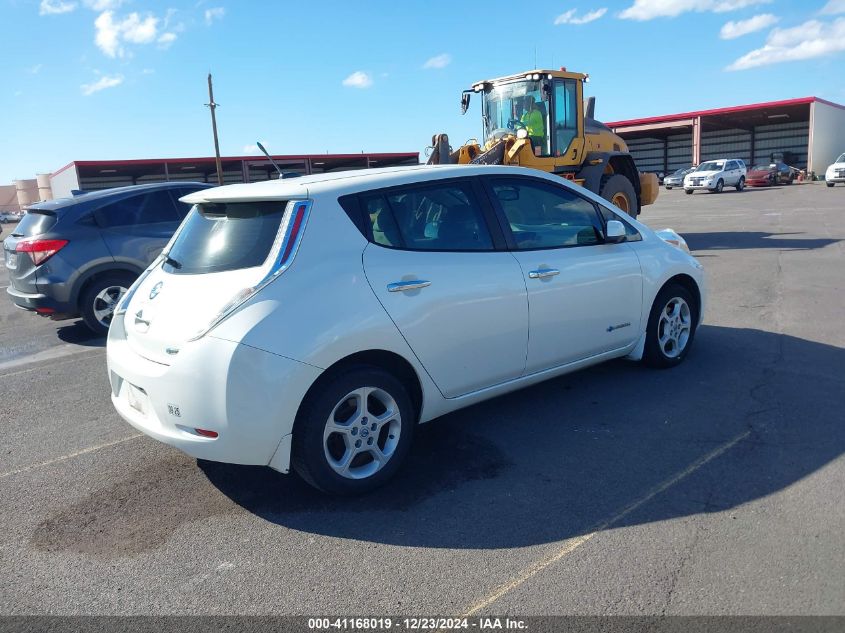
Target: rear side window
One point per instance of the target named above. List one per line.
(182, 208)
(226, 236)
(438, 217)
(35, 223)
(148, 208)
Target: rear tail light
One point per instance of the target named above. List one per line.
(40, 250)
(206, 433)
(292, 228)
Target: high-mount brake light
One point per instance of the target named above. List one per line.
(40, 251)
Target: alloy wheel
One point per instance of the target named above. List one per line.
(105, 303)
(362, 433)
(674, 327)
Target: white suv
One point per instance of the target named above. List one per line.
(835, 173)
(715, 175)
(314, 322)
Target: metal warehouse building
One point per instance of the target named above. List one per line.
(808, 132)
(91, 175)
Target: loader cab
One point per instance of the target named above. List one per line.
(555, 98)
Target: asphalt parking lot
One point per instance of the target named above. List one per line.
(714, 488)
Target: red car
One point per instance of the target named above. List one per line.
(772, 174)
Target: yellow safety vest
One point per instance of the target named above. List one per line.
(533, 122)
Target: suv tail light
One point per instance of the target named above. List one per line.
(40, 250)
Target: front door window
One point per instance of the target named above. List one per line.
(566, 115)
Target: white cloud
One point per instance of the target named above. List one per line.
(107, 38)
(732, 30)
(102, 5)
(148, 71)
(358, 79)
(166, 39)
(133, 28)
(569, 17)
(138, 30)
(438, 61)
(806, 41)
(55, 7)
(833, 7)
(215, 13)
(34, 70)
(650, 9)
(102, 83)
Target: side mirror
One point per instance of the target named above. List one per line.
(615, 232)
(465, 102)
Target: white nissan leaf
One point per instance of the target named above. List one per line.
(314, 322)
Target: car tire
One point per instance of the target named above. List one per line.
(740, 185)
(668, 188)
(99, 299)
(688, 192)
(830, 184)
(338, 446)
(720, 185)
(671, 327)
(618, 190)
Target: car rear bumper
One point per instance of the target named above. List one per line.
(247, 396)
(38, 302)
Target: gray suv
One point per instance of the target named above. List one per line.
(77, 256)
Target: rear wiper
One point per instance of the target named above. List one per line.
(169, 260)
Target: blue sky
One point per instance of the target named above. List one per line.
(113, 79)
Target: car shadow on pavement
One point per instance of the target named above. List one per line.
(78, 334)
(558, 459)
(733, 240)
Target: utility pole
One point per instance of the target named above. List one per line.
(213, 107)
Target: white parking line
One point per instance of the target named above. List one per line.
(570, 545)
(91, 449)
(52, 353)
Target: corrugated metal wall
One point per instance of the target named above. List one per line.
(731, 143)
(647, 153)
(726, 144)
(679, 152)
(662, 155)
(782, 137)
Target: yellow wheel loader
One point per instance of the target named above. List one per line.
(539, 119)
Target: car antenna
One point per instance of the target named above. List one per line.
(270, 158)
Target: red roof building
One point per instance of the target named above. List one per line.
(808, 133)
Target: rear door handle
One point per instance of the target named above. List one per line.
(543, 273)
(405, 286)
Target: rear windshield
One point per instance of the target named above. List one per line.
(34, 223)
(225, 236)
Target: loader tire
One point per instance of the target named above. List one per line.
(618, 190)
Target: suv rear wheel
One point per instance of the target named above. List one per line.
(99, 300)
